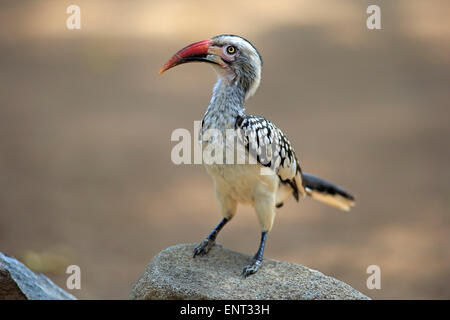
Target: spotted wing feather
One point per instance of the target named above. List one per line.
(272, 149)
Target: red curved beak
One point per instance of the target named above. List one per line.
(197, 51)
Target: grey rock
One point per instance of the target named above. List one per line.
(174, 274)
(17, 282)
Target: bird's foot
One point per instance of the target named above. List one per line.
(252, 268)
(204, 247)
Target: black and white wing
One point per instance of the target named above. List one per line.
(272, 149)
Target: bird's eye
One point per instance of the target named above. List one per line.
(231, 50)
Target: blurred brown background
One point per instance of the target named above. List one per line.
(85, 124)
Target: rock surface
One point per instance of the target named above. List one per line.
(17, 282)
(174, 274)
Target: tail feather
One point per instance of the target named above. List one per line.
(327, 192)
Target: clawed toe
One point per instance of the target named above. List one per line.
(251, 268)
(203, 248)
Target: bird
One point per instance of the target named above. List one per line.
(275, 174)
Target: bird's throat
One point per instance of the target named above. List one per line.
(227, 103)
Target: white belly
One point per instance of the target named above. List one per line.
(239, 181)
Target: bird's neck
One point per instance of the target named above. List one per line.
(227, 103)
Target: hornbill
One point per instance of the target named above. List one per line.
(238, 65)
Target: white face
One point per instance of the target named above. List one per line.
(243, 59)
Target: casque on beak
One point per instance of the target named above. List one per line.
(198, 51)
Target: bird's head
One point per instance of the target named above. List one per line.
(235, 59)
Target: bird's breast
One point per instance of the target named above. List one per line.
(237, 178)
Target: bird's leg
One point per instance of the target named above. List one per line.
(210, 240)
(257, 259)
(265, 201)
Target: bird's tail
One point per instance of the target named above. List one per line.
(327, 192)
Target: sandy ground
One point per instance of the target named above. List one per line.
(85, 125)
